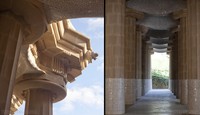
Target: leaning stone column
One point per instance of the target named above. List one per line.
(115, 14)
(193, 28)
(15, 24)
(11, 36)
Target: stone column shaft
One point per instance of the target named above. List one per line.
(193, 28)
(184, 86)
(115, 100)
(130, 60)
(38, 102)
(145, 67)
(10, 44)
(180, 63)
(139, 64)
(170, 71)
(174, 62)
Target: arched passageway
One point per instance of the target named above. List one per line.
(135, 29)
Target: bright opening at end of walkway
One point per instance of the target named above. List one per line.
(160, 70)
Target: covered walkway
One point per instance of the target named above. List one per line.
(136, 29)
(157, 102)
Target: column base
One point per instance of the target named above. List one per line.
(130, 91)
(147, 85)
(115, 100)
(138, 88)
(193, 97)
(184, 92)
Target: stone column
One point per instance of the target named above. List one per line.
(148, 84)
(180, 63)
(174, 62)
(182, 54)
(193, 28)
(130, 60)
(38, 102)
(16, 24)
(185, 60)
(170, 70)
(183, 34)
(144, 55)
(145, 67)
(11, 37)
(40, 91)
(139, 64)
(115, 100)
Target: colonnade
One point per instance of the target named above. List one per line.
(185, 57)
(128, 57)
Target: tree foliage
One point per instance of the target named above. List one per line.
(160, 79)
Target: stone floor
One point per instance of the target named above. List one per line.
(157, 102)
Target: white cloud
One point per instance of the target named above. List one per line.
(87, 96)
(95, 23)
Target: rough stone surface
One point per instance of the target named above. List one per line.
(130, 91)
(157, 7)
(57, 10)
(157, 102)
(194, 97)
(157, 22)
(115, 100)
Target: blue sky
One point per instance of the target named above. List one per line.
(85, 95)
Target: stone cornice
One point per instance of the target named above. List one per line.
(64, 50)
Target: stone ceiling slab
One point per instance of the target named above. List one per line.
(159, 41)
(160, 50)
(157, 22)
(159, 46)
(157, 7)
(158, 33)
(57, 10)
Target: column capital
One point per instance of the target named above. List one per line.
(179, 14)
(133, 13)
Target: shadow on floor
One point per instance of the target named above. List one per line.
(157, 102)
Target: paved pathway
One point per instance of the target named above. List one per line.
(157, 102)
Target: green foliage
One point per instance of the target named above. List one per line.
(160, 79)
(160, 73)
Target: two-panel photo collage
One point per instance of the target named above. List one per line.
(99, 57)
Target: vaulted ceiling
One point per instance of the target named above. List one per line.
(158, 20)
